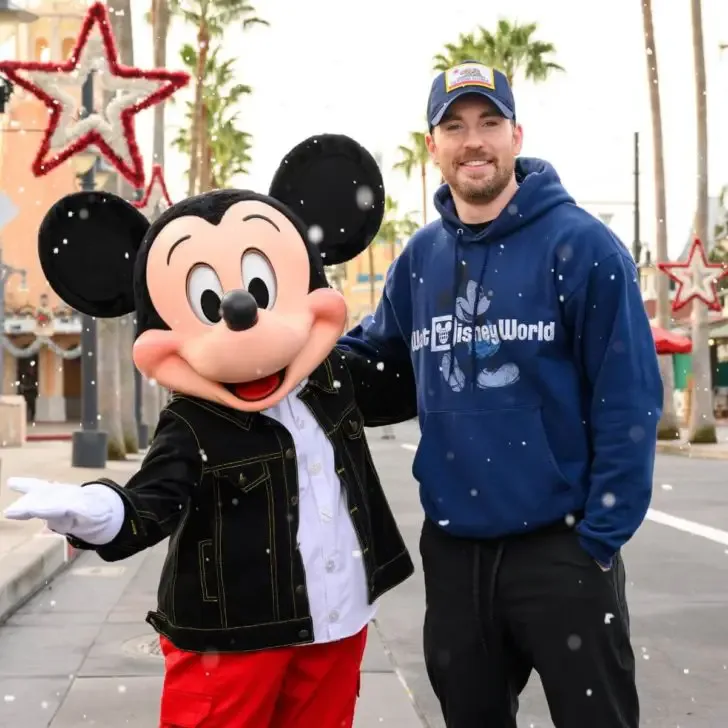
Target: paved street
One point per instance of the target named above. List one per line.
(77, 654)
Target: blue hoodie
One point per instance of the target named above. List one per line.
(538, 385)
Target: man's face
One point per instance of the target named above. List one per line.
(475, 148)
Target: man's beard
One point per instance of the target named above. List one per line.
(481, 193)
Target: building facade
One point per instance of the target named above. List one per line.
(41, 346)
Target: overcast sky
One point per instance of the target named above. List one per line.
(364, 69)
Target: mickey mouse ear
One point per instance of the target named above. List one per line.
(87, 245)
(334, 185)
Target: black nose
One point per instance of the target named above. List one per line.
(239, 310)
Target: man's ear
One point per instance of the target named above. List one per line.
(87, 245)
(335, 187)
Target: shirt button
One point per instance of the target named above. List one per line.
(289, 453)
(330, 565)
(333, 616)
(315, 469)
(300, 423)
(300, 589)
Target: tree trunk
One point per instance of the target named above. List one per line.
(109, 365)
(122, 26)
(109, 387)
(702, 418)
(196, 139)
(206, 152)
(667, 428)
(160, 29)
(423, 172)
(128, 385)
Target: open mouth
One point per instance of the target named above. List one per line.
(476, 164)
(257, 389)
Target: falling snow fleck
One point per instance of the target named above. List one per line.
(364, 198)
(315, 234)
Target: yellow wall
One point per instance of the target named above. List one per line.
(357, 286)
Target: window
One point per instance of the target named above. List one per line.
(66, 48)
(42, 50)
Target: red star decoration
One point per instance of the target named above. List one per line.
(45, 81)
(155, 193)
(696, 278)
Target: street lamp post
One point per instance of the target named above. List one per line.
(89, 444)
(5, 272)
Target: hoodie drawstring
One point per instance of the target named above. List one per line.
(456, 288)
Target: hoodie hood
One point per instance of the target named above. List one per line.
(539, 190)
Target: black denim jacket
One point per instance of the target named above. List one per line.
(223, 486)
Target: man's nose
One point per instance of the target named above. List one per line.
(239, 310)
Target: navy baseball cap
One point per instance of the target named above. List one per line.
(470, 77)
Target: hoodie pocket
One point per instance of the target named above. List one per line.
(497, 464)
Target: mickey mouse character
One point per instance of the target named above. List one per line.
(281, 538)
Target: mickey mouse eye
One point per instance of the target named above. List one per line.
(259, 279)
(204, 292)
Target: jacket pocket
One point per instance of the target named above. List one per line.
(208, 573)
(352, 424)
(245, 477)
(181, 709)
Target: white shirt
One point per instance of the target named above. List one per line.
(335, 576)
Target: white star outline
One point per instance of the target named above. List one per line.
(696, 278)
(128, 92)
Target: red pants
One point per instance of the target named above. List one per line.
(310, 686)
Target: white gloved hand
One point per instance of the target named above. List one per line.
(94, 513)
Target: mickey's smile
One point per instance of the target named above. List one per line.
(257, 389)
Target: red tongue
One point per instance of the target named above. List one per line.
(259, 389)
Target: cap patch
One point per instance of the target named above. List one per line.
(469, 74)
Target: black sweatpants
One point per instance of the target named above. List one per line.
(498, 610)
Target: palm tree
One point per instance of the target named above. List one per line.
(225, 149)
(667, 428)
(702, 419)
(392, 229)
(416, 156)
(115, 368)
(511, 49)
(160, 18)
(211, 18)
(465, 48)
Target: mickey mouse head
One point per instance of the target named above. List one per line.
(231, 298)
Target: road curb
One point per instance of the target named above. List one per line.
(30, 567)
(705, 452)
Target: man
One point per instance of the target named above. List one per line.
(539, 396)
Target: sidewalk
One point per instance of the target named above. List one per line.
(30, 558)
(719, 451)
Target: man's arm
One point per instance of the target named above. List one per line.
(151, 505)
(615, 350)
(378, 356)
